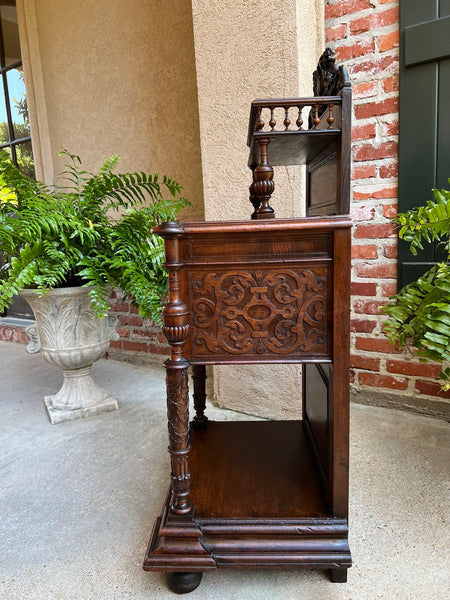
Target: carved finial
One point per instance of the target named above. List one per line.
(328, 80)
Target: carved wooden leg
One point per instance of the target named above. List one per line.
(176, 328)
(338, 575)
(179, 443)
(182, 583)
(199, 378)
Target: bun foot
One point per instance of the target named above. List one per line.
(338, 575)
(183, 583)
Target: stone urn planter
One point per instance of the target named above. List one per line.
(70, 337)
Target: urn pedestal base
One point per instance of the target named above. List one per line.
(79, 397)
(70, 337)
(57, 415)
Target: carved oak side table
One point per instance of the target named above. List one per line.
(266, 494)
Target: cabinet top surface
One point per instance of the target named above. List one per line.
(269, 226)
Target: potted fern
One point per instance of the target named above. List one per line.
(419, 315)
(64, 249)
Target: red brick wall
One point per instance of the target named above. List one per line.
(137, 335)
(12, 333)
(365, 37)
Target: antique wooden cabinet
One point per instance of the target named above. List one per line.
(269, 494)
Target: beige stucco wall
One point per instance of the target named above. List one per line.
(246, 50)
(113, 77)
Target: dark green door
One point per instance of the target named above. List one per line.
(424, 143)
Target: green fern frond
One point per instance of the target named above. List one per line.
(426, 223)
(110, 164)
(54, 235)
(419, 314)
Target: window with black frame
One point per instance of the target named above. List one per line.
(15, 137)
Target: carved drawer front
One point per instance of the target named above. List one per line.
(276, 313)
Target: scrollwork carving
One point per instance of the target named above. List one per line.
(260, 312)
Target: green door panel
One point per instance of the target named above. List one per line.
(444, 8)
(443, 134)
(413, 12)
(424, 148)
(427, 41)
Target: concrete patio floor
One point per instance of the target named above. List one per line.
(78, 499)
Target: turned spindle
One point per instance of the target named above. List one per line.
(272, 121)
(299, 121)
(259, 122)
(330, 119)
(287, 120)
(316, 118)
(263, 184)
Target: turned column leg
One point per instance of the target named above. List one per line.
(179, 442)
(263, 184)
(199, 380)
(176, 327)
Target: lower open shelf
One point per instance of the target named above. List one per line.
(255, 469)
(258, 502)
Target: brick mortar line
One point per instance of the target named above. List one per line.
(411, 380)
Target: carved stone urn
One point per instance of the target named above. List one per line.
(71, 337)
